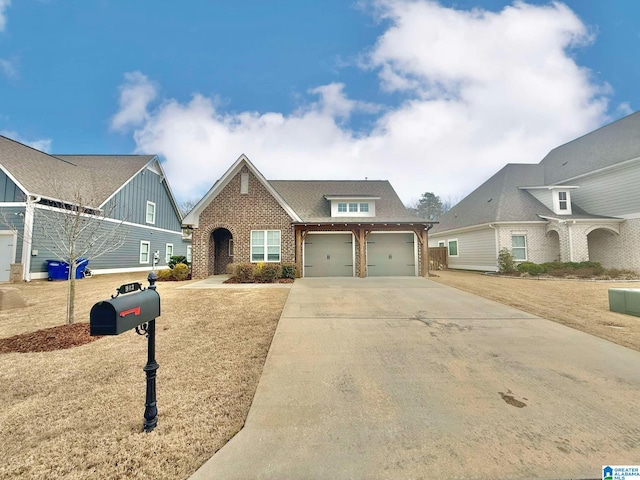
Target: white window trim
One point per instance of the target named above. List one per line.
(457, 247)
(556, 202)
(526, 256)
(189, 253)
(266, 247)
(146, 213)
(167, 257)
(148, 244)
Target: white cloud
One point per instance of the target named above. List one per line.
(135, 95)
(43, 144)
(8, 69)
(4, 4)
(481, 89)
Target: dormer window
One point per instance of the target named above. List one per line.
(352, 205)
(562, 200)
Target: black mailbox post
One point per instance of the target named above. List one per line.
(133, 307)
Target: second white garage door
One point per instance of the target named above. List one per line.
(328, 255)
(391, 255)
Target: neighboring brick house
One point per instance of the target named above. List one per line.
(581, 202)
(328, 228)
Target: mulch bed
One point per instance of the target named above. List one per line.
(49, 339)
(279, 280)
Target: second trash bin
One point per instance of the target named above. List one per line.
(59, 270)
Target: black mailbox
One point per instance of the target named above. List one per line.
(117, 315)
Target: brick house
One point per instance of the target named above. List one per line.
(581, 202)
(327, 228)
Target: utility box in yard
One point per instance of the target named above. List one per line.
(625, 300)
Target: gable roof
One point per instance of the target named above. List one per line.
(193, 217)
(607, 146)
(307, 198)
(62, 177)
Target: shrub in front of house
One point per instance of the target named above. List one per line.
(506, 262)
(245, 272)
(180, 272)
(177, 259)
(268, 272)
(531, 268)
(289, 270)
(164, 275)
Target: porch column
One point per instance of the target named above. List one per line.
(299, 250)
(362, 264)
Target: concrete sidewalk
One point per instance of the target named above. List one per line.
(407, 378)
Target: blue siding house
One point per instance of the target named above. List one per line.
(130, 190)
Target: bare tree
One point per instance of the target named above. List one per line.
(186, 206)
(73, 230)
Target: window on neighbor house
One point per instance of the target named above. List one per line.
(151, 212)
(265, 245)
(168, 252)
(189, 253)
(145, 248)
(353, 207)
(519, 247)
(453, 248)
(441, 244)
(342, 207)
(364, 207)
(562, 200)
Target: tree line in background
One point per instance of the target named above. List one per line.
(430, 206)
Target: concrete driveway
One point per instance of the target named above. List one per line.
(407, 378)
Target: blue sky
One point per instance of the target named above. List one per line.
(434, 96)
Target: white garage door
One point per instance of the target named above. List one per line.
(391, 255)
(328, 255)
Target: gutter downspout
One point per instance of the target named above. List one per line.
(570, 241)
(27, 236)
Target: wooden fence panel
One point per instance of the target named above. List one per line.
(438, 258)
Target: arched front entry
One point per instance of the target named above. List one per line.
(602, 248)
(220, 251)
(553, 247)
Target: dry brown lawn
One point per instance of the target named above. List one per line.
(579, 304)
(77, 413)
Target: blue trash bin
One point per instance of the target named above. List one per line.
(57, 270)
(82, 264)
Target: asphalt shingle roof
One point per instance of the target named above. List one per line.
(614, 143)
(62, 177)
(500, 199)
(307, 199)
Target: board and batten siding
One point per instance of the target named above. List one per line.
(613, 193)
(12, 218)
(126, 257)
(476, 249)
(130, 203)
(9, 191)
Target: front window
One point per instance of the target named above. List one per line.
(151, 212)
(145, 248)
(265, 246)
(342, 207)
(189, 253)
(168, 252)
(453, 248)
(353, 207)
(364, 207)
(519, 247)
